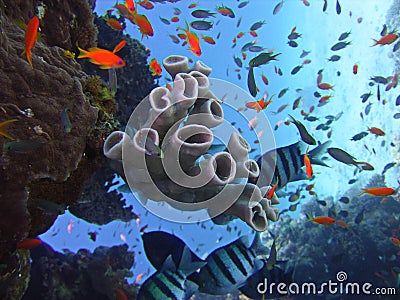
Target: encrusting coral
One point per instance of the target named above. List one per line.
(164, 151)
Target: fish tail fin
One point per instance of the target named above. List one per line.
(28, 54)
(316, 153)
(187, 265)
(82, 53)
(364, 191)
(3, 126)
(310, 217)
(376, 42)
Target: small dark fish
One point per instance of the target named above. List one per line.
(243, 4)
(398, 100)
(322, 202)
(293, 207)
(165, 21)
(294, 36)
(352, 181)
(304, 53)
(384, 30)
(340, 45)
(311, 118)
(174, 39)
(23, 146)
(280, 72)
(277, 8)
(201, 25)
(296, 103)
(337, 117)
(257, 25)
(280, 109)
(396, 116)
(396, 46)
(238, 61)
(256, 48)
(317, 95)
(251, 82)
(65, 121)
(368, 108)
(387, 167)
(345, 200)
(305, 136)
(262, 59)
(325, 5)
(334, 58)
(246, 46)
(239, 76)
(342, 156)
(338, 73)
(282, 92)
(293, 44)
(202, 13)
(338, 8)
(344, 35)
(320, 126)
(378, 93)
(380, 79)
(238, 22)
(50, 206)
(343, 213)
(296, 69)
(365, 97)
(330, 117)
(218, 35)
(359, 217)
(359, 136)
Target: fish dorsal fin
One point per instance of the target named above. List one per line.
(190, 288)
(245, 241)
(187, 265)
(169, 265)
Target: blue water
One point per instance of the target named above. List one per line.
(319, 32)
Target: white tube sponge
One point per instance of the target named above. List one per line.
(175, 64)
(202, 67)
(204, 86)
(208, 113)
(184, 146)
(184, 92)
(112, 147)
(247, 168)
(238, 147)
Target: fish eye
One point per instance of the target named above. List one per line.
(119, 62)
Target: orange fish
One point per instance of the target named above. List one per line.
(395, 241)
(146, 4)
(225, 11)
(208, 39)
(355, 69)
(342, 224)
(28, 244)
(155, 67)
(306, 3)
(192, 39)
(240, 34)
(120, 295)
(325, 86)
(322, 220)
(30, 38)
(125, 11)
(380, 192)
(307, 163)
(193, 5)
(259, 105)
(144, 25)
(386, 40)
(3, 126)
(106, 59)
(244, 55)
(377, 131)
(130, 4)
(264, 79)
(114, 23)
(139, 277)
(271, 191)
(253, 33)
(182, 36)
(324, 99)
(174, 19)
(306, 61)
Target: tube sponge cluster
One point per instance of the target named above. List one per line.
(165, 152)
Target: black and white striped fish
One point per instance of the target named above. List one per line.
(228, 267)
(287, 163)
(170, 282)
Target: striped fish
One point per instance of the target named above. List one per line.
(228, 267)
(287, 163)
(170, 282)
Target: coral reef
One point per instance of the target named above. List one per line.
(363, 250)
(164, 151)
(83, 275)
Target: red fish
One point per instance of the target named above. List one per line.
(253, 33)
(3, 126)
(376, 131)
(174, 19)
(395, 241)
(307, 163)
(193, 5)
(380, 192)
(114, 24)
(342, 224)
(144, 25)
(146, 4)
(144, 228)
(106, 59)
(208, 39)
(324, 99)
(30, 38)
(386, 40)
(240, 34)
(28, 244)
(155, 67)
(130, 4)
(322, 220)
(325, 86)
(306, 3)
(306, 61)
(271, 191)
(225, 11)
(264, 79)
(192, 39)
(120, 295)
(355, 69)
(259, 105)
